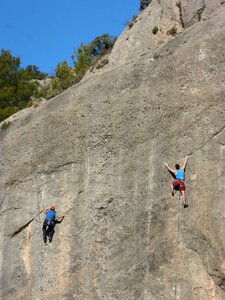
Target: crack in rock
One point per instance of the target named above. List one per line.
(25, 225)
(178, 4)
(197, 16)
(21, 228)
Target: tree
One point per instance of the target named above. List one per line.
(64, 74)
(33, 72)
(83, 60)
(17, 85)
(7, 112)
(102, 44)
(9, 67)
(87, 54)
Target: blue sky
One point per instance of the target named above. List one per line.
(45, 32)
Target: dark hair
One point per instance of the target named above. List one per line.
(177, 166)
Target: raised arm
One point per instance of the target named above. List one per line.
(173, 172)
(185, 163)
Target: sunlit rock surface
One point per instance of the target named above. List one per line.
(98, 150)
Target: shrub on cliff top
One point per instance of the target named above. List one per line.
(144, 4)
(88, 55)
(5, 125)
(172, 31)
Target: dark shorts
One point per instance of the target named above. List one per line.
(48, 226)
(178, 185)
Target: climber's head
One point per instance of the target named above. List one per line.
(177, 167)
(52, 207)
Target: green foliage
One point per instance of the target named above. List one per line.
(33, 72)
(144, 4)
(17, 85)
(25, 90)
(64, 78)
(63, 71)
(83, 60)
(7, 112)
(88, 54)
(102, 44)
(9, 67)
(155, 30)
(65, 75)
(172, 31)
(5, 125)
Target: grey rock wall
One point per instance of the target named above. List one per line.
(97, 151)
(165, 15)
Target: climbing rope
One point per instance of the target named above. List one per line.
(39, 202)
(178, 238)
(38, 189)
(178, 222)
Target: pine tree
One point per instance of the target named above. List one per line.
(16, 84)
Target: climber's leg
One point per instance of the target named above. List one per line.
(172, 189)
(50, 235)
(175, 186)
(183, 194)
(44, 234)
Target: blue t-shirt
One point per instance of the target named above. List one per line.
(50, 215)
(180, 174)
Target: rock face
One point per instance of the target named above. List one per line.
(97, 151)
(164, 15)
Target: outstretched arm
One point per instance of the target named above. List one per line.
(59, 220)
(185, 163)
(172, 172)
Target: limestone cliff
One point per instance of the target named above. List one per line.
(98, 152)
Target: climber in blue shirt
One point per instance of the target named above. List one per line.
(178, 182)
(49, 223)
